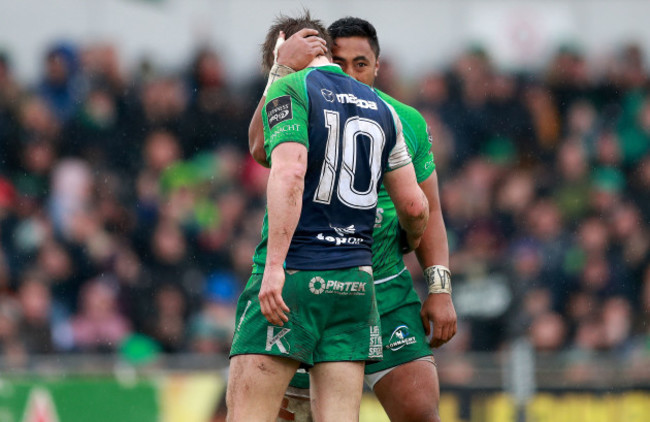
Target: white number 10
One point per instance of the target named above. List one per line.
(353, 128)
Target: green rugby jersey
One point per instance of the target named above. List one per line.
(386, 255)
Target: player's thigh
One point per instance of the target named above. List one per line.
(256, 384)
(336, 389)
(410, 392)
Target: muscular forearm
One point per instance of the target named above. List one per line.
(434, 247)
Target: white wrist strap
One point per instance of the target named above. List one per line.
(277, 71)
(438, 279)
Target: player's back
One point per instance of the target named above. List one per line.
(350, 135)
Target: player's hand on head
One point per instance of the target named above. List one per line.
(300, 49)
(271, 303)
(438, 315)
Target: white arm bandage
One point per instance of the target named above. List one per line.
(438, 279)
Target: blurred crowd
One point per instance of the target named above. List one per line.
(130, 209)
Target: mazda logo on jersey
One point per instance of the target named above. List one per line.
(278, 110)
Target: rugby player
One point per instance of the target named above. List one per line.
(330, 140)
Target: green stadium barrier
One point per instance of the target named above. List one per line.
(77, 400)
(196, 397)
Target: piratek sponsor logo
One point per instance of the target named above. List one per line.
(318, 285)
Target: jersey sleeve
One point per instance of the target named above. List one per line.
(416, 135)
(399, 155)
(285, 113)
(422, 154)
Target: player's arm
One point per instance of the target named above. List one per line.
(284, 203)
(433, 255)
(284, 118)
(437, 313)
(410, 202)
(291, 55)
(401, 184)
(256, 135)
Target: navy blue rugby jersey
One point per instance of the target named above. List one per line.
(352, 137)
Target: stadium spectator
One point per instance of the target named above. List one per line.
(61, 87)
(36, 320)
(98, 327)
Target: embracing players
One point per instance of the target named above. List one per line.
(330, 141)
(405, 381)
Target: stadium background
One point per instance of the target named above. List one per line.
(129, 208)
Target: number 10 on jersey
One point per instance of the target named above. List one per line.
(354, 127)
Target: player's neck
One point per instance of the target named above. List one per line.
(319, 61)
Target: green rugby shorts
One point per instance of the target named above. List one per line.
(403, 340)
(333, 317)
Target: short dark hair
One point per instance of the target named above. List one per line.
(355, 27)
(290, 26)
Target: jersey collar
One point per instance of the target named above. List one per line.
(332, 67)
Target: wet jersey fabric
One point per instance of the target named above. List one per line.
(392, 289)
(352, 138)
